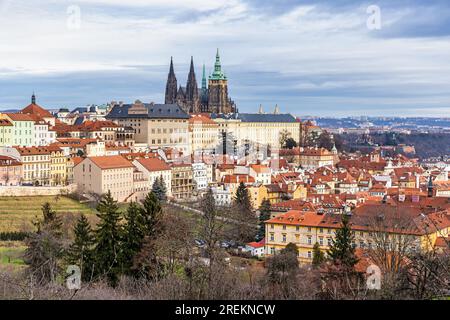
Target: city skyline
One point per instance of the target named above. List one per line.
(310, 58)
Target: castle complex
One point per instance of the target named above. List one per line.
(212, 97)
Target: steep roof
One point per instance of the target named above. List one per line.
(37, 110)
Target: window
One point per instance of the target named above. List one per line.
(309, 240)
(309, 255)
(284, 237)
(284, 227)
(321, 241)
(330, 242)
(272, 237)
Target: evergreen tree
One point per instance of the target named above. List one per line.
(242, 198)
(159, 189)
(133, 236)
(80, 253)
(342, 250)
(150, 220)
(264, 215)
(108, 238)
(151, 215)
(318, 255)
(247, 227)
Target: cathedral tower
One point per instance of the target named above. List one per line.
(218, 90)
(192, 96)
(171, 86)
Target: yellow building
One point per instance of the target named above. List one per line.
(258, 192)
(58, 166)
(306, 228)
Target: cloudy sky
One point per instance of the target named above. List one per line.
(309, 57)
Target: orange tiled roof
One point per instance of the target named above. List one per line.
(5, 123)
(111, 162)
(19, 117)
(153, 164)
(34, 109)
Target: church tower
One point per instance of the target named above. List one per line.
(171, 86)
(192, 96)
(218, 101)
(204, 92)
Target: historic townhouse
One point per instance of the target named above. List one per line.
(182, 181)
(10, 171)
(6, 133)
(36, 165)
(22, 130)
(58, 166)
(154, 168)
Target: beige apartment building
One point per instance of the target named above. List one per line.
(108, 173)
(157, 125)
(204, 134)
(36, 163)
(153, 168)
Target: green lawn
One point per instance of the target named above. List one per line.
(11, 256)
(17, 213)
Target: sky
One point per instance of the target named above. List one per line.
(321, 58)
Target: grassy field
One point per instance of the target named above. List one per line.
(17, 213)
(11, 254)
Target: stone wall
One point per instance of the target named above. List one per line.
(21, 191)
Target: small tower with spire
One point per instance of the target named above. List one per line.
(261, 111)
(204, 91)
(277, 110)
(33, 99)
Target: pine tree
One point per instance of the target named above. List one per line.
(162, 185)
(151, 215)
(247, 227)
(342, 250)
(133, 236)
(242, 198)
(159, 189)
(80, 253)
(264, 215)
(318, 255)
(108, 238)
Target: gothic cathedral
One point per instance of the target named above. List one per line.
(211, 98)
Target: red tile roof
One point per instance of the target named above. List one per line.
(153, 164)
(111, 162)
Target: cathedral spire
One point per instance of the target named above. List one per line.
(192, 96)
(204, 78)
(171, 86)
